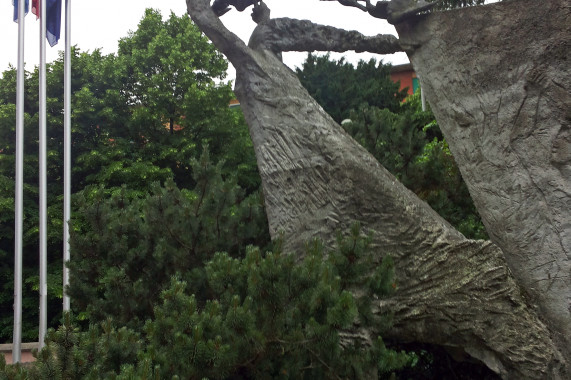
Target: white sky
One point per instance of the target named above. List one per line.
(100, 24)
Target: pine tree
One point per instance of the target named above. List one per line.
(126, 246)
(169, 286)
(263, 316)
(120, 137)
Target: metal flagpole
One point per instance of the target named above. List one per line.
(67, 150)
(19, 204)
(43, 180)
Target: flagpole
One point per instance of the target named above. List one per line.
(67, 151)
(19, 204)
(43, 180)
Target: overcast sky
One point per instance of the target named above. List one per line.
(100, 24)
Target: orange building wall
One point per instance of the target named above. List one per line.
(405, 78)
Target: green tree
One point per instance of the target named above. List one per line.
(339, 87)
(30, 211)
(95, 106)
(127, 248)
(170, 80)
(171, 70)
(261, 316)
(117, 140)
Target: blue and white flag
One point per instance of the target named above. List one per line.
(53, 21)
(53, 18)
(15, 2)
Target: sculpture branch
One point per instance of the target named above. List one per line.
(227, 42)
(285, 34)
(316, 179)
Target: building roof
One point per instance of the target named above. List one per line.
(401, 68)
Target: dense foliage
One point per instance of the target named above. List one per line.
(118, 139)
(260, 316)
(124, 244)
(339, 87)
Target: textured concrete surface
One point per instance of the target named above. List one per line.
(317, 180)
(498, 80)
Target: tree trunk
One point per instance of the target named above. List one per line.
(316, 179)
(498, 79)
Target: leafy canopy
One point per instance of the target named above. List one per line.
(339, 87)
(120, 137)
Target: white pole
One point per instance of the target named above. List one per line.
(43, 181)
(67, 150)
(19, 204)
